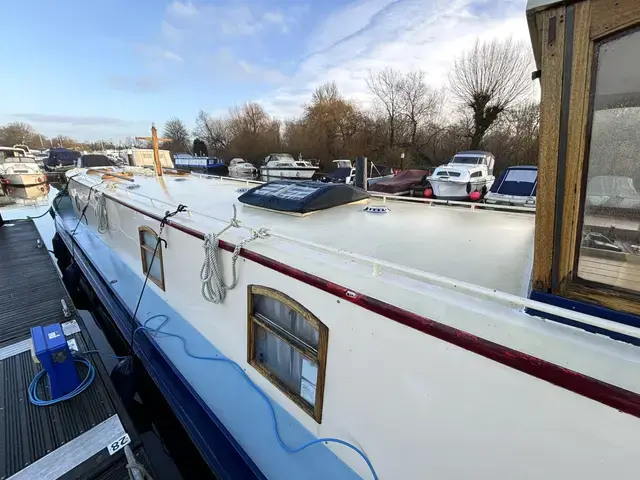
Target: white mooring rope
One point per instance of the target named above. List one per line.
(101, 213)
(213, 288)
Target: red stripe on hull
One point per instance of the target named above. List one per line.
(605, 393)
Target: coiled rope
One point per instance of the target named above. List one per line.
(213, 288)
(101, 213)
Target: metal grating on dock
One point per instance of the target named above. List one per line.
(69, 439)
(30, 288)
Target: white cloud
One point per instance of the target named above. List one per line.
(171, 33)
(182, 9)
(267, 75)
(228, 18)
(154, 53)
(172, 56)
(404, 34)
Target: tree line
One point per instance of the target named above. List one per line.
(486, 104)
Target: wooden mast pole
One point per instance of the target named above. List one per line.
(154, 145)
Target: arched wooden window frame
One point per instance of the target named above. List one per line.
(158, 258)
(319, 357)
(567, 90)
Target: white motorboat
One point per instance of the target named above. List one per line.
(283, 165)
(516, 186)
(239, 167)
(467, 172)
(16, 169)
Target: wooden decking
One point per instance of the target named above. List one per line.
(68, 439)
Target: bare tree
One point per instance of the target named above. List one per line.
(420, 105)
(386, 86)
(18, 132)
(214, 131)
(489, 79)
(177, 131)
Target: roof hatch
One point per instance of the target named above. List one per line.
(301, 197)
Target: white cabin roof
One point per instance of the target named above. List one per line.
(487, 248)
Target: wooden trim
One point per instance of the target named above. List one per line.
(577, 147)
(603, 295)
(319, 357)
(143, 247)
(550, 103)
(612, 16)
(597, 390)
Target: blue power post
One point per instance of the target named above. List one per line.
(51, 349)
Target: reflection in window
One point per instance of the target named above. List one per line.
(610, 237)
(150, 265)
(288, 345)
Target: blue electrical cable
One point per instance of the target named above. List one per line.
(33, 386)
(91, 373)
(284, 446)
(33, 395)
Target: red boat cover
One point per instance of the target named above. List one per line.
(401, 182)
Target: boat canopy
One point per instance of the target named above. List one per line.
(301, 197)
(401, 182)
(521, 181)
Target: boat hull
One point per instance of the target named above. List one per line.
(235, 171)
(477, 345)
(24, 179)
(450, 190)
(301, 173)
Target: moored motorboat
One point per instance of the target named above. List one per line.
(467, 172)
(516, 186)
(401, 183)
(19, 170)
(283, 165)
(239, 167)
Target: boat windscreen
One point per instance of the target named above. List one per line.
(464, 160)
(517, 181)
(92, 160)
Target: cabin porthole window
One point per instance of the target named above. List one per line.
(153, 267)
(288, 345)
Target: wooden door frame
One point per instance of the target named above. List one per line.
(567, 81)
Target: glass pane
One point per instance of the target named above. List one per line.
(610, 237)
(287, 318)
(156, 270)
(294, 370)
(148, 238)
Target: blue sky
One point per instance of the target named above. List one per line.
(108, 68)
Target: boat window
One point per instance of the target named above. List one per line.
(150, 265)
(447, 173)
(609, 242)
(476, 174)
(521, 175)
(288, 345)
(467, 160)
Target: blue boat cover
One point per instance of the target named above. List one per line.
(301, 196)
(520, 181)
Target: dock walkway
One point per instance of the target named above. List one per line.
(69, 439)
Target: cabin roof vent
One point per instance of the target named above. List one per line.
(377, 209)
(242, 189)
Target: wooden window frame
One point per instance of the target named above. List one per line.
(560, 210)
(158, 258)
(317, 356)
